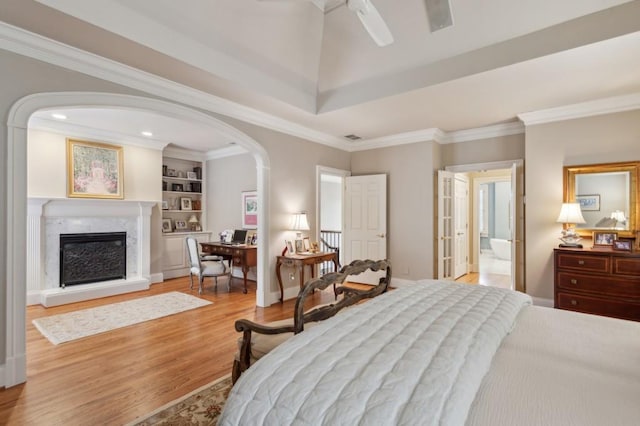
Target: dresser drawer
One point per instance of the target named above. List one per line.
(583, 262)
(602, 285)
(594, 305)
(626, 266)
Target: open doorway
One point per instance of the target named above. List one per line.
(496, 224)
(491, 211)
(330, 203)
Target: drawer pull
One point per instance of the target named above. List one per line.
(580, 262)
(574, 281)
(574, 302)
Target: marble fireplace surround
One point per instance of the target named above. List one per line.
(47, 218)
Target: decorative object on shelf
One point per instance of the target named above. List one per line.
(177, 187)
(94, 170)
(164, 170)
(570, 214)
(185, 203)
(299, 246)
(196, 204)
(173, 204)
(315, 247)
(192, 175)
(252, 238)
(172, 173)
(166, 225)
(589, 202)
(249, 209)
(165, 185)
(194, 223)
(181, 225)
(196, 187)
(198, 172)
(181, 174)
(165, 205)
(622, 245)
(604, 238)
(306, 244)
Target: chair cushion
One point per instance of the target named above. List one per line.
(213, 268)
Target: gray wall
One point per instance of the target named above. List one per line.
(550, 147)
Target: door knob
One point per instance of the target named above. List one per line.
(380, 235)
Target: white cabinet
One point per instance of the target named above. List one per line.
(175, 257)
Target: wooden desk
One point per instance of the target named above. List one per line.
(244, 256)
(300, 260)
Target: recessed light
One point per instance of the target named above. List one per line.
(147, 134)
(59, 116)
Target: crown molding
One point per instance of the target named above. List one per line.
(432, 134)
(583, 109)
(183, 154)
(75, 130)
(35, 46)
(479, 133)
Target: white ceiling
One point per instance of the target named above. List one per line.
(322, 71)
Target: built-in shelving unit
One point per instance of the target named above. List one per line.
(183, 199)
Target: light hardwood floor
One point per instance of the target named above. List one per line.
(492, 280)
(116, 377)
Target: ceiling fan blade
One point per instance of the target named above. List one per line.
(372, 21)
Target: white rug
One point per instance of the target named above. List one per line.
(75, 325)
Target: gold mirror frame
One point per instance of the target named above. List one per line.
(570, 173)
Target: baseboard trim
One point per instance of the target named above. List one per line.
(156, 278)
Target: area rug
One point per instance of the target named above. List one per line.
(87, 322)
(200, 407)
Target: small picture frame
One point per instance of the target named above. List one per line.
(166, 225)
(165, 205)
(315, 247)
(604, 239)
(177, 187)
(252, 238)
(192, 175)
(306, 244)
(172, 173)
(622, 245)
(185, 203)
(299, 246)
(290, 249)
(181, 225)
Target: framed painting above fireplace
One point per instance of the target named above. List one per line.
(94, 170)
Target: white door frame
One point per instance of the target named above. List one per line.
(15, 370)
(518, 222)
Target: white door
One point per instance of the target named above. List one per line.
(461, 225)
(445, 224)
(365, 221)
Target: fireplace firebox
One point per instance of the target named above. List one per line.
(92, 257)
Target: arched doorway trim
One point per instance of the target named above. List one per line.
(16, 190)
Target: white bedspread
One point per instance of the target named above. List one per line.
(415, 355)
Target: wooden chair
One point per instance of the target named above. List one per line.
(208, 266)
(258, 339)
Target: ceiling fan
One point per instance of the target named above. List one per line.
(439, 12)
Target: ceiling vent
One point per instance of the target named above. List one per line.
(352, 137)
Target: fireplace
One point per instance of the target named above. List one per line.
(92, 257)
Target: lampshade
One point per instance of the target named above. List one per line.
(571, 213)
(193, 219)
(299, 222)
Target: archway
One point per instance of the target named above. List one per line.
(16, 190)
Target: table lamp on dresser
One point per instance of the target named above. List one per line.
(570, 214)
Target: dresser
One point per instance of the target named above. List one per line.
(598, 281)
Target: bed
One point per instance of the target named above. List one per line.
(450, 354)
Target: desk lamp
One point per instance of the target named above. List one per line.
(299, 223)
(570, 214)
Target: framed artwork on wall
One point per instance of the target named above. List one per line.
(94, 170)
(249, 209)
(589, 202)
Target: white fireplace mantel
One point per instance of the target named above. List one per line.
(47, 218)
